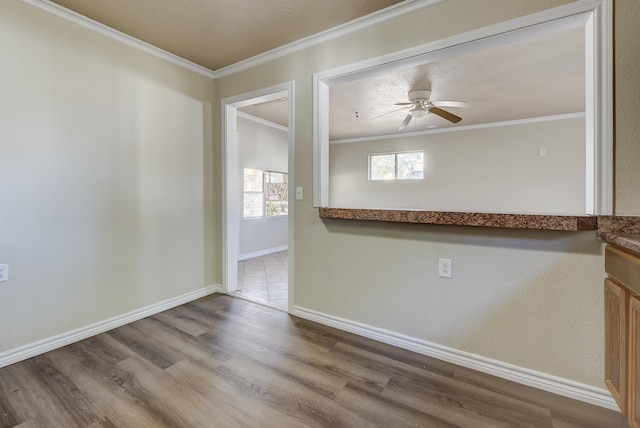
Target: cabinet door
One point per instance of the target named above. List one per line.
(616, 351)
(634, 362)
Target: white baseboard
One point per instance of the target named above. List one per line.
(40, 347)
(262, 253)
(567, 388)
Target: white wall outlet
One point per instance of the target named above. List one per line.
(4, 272)
(543, 152)
(299, 193)
(445, 269)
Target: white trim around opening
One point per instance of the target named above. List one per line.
(230, 212)
(596, 18)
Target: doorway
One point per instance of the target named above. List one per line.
(258, 197)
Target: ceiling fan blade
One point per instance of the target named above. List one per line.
(459, 104)
(405, 122)
(403, 104)
(445, 114)
(389, 112)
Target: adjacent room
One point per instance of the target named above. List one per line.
(263, 165)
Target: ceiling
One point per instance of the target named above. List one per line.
(531, 77)
(217, 33)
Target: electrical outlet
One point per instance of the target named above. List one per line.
(4, 272)
(445, 269)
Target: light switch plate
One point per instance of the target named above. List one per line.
(299, 193)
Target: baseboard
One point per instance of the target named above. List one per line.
(567, 388)
(40, 347)
(262, 253)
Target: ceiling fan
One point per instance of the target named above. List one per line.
(421, 105)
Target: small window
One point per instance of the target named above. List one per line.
(265, 193)
(396, 166)
(277, 191)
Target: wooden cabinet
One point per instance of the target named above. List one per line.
(634, 360)
(616, 301)
(622, 330)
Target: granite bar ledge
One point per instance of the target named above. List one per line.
(511, 221)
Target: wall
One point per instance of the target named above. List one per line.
(499, 168)
(262, 147)
(528, 298)
(627, 107)
(105, 177)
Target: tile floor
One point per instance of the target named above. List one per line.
(265, 278)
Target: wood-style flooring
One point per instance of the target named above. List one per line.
(225, 362)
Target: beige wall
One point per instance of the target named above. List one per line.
(532, 299)
(627, 108)
(105, 177)
(497, 169)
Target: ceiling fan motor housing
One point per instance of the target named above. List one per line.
(419, 95)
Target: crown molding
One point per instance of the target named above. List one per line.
(397, 135)
(390, 12)
(262, 121)
(76, 18)
(405, 7)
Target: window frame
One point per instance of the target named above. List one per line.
(264, 192)
(395, 166)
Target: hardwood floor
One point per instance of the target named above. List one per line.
(225, 362)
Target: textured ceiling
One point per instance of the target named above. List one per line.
(217, 33)
(540, 76)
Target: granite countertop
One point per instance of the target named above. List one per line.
(621, 231)
(630, 241)
(512, 221)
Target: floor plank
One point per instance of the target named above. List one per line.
(225, 362)
(102, 384)
(214, 386)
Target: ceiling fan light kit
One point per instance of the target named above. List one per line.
(418, 112)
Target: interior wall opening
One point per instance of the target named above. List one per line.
(258, 195)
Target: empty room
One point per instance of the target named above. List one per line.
(334, 213)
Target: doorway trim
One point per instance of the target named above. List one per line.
(230, 193)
